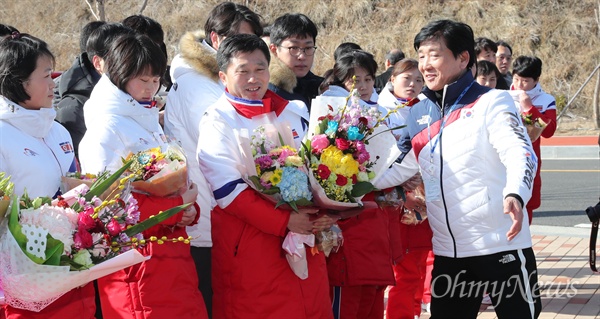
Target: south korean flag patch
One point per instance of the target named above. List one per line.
(466, 114)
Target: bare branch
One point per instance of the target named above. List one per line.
(100, 8)
(92, 9)
(143, 7)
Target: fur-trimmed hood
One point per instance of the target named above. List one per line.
(199, 55)
(281, 75)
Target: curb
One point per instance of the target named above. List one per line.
(570, 152)
(579, 232)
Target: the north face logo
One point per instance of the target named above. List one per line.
(423, 120)
(507, 258)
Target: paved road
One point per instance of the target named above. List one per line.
(568, 188)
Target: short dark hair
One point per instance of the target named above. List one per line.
(148, 26)
(404, 65)
(145, 25)
(457, 36)
(343, 69)
(504, 44)
(85, 33)
(485, 67)
(131, 56)
(19, 55)
(237, 43)
(267, 30)
(101, 39)
(225, 19)
(482, 44)
(394, 56)
(527, 67)
(6, 29)
(343, 48)
(291, 24)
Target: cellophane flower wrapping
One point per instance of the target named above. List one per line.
(349, 147)
(160, 172)
(53, 246)
(73, 180)
(273, 167)
(534, 127)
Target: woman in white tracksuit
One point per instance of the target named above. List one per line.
(121, 118)
(36, 151)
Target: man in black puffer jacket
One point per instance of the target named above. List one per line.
(293, 40)
(75, 86)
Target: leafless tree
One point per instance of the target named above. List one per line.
(99, 12)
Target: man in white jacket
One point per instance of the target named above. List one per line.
(478, 167)
(196, 86)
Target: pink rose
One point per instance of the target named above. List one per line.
(319, 143)
(360, 146)
(85, 220)
(83, 239)
(363, 157)
(113, 227)
(342, 144)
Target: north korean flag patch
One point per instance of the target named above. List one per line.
(66, 147)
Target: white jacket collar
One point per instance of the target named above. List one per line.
(36, 123)
(107, 100)
(533, 93)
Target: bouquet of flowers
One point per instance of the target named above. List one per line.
(279, 171)
(53, 246)
(348, 150)
(159, 173)
(534, 127)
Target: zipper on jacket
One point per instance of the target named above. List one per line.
(441, 177)
(56, 158)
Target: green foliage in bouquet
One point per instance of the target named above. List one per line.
(53, 254)
(6, 186)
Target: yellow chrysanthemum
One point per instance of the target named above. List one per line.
(338, 162)
(276, 177)
(348, 166)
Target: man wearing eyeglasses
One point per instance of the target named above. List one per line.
(504, 60)
(293, 42)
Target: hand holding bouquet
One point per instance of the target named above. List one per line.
(523, 102)
(534, 127)
(274, 168)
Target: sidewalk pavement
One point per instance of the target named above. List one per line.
(568, 287)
